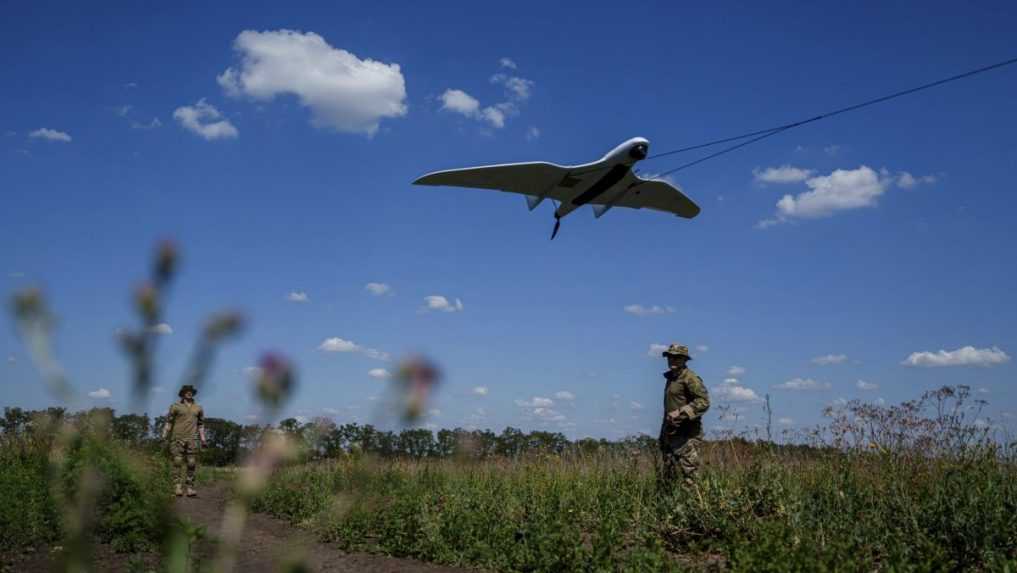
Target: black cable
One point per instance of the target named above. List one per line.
(764, 133)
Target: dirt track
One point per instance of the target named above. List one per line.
(266, 541)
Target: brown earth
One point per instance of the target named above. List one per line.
(266, 542)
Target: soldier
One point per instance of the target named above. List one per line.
(685, 402)
(185, 425)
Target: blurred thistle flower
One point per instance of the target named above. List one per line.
(166, 258)
(416, 376)
(29, 305)
(276, 380)
(146, 299)
(223, 325)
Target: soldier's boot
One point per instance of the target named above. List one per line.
(191, 492)
(178, 490)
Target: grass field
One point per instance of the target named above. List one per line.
(766, 511)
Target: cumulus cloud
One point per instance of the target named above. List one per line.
(966, 356)
(730, 380)
(841, 190)
(517, 88)
(336, 344)
(735, 393)
(735, 371)
(100, 394)
(803, 384)
(508, 63)
(378, 289)
(342, 91)
(565, 395)
(480, 390)
(785, 421)
(161, 328)
(548, 414)
(50, 135)
(782, 174)
(154, 124)
(906, 180)
(532, 133)
(438, 302)
(535, 402)
(458, 101)
(206, 121)
(863, 385)
(640, 310)
(829, 359)
(298, 297)
(379, 373)
(635, 405)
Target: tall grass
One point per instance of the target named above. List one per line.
(766, 512)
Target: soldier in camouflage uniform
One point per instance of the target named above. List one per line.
(185, 426)
(685, 402)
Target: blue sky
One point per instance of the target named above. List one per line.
(277, 144)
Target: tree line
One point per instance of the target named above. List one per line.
(228, 442)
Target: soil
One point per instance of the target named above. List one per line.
(267, 541)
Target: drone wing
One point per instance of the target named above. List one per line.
(537, 179)
(660, 196)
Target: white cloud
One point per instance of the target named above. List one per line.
(548, 414)
(635, 405)
(438, 302)
(298, 296)
(480, 390)
(730, 380)
(829, 359)
(330, 411)
(640, 310)
(843, 189)
(656, 350)
(983, 390)
(735, 371)
(516, 87)
(460, 102)
(702, 348)
(100, 394)
(434, 412)
(906, 180)
(785, 421)
(507, 63)
(782, 174)
(735, 393)
(535, 402)
(204, 120)
(252, 372)
(803, 384)
(863, 385)
(966, 356)
(162, 328)
(50, 135)
(154, 124)
(336, 344)
(378, 289)
(379, 373)
(532, 133)
(12, 360)
(565, 395)
(831, 150)
(342, 91)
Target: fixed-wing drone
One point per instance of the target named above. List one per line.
(603, 184)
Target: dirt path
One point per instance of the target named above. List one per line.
(266, 542)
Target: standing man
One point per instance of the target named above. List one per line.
(685, 402)
(185, 425)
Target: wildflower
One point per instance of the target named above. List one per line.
(276, 380)
(165, 262)
(146, 299)
(223, 325)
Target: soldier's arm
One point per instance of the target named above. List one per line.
(700, 397)
(169, 422)
(201, 424)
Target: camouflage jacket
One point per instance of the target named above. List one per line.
(685, 392)
(184, 420)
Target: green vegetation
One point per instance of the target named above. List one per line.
(771, 512)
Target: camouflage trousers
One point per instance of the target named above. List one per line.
(680, 457)
(185, 461)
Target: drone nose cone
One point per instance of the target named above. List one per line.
(639, 151)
